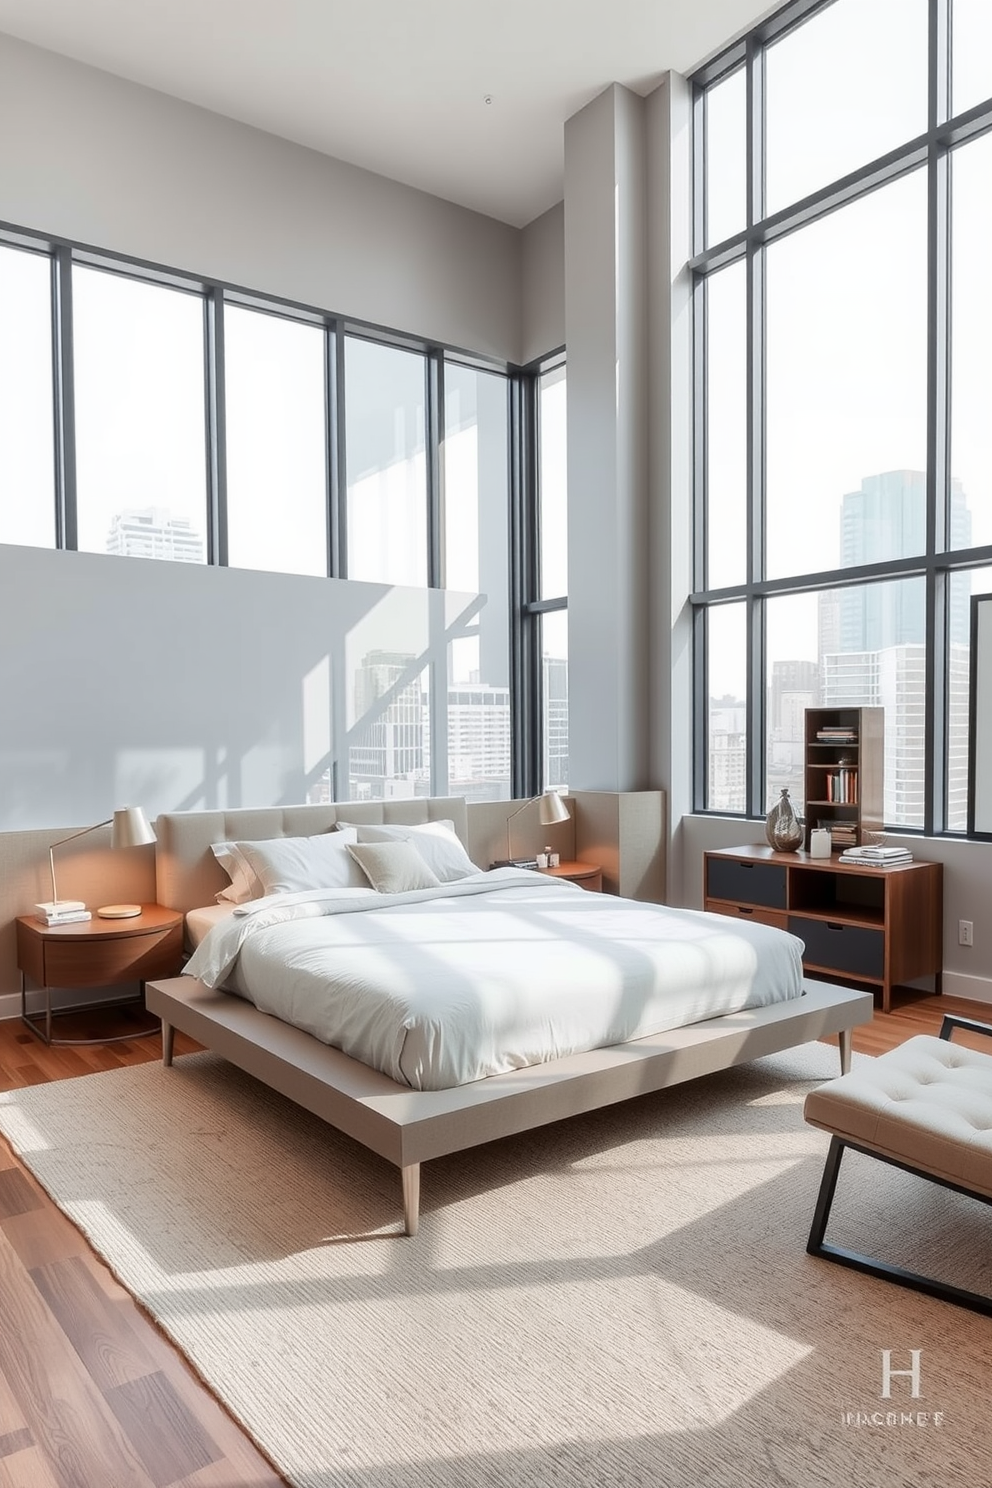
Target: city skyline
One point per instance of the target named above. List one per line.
(869, 651)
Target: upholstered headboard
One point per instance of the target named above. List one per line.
(188, 875)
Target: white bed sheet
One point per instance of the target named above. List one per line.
(496, 972)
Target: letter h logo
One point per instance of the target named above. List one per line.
(888, 1373)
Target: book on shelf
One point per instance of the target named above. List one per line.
(836, 736)
(842, 786)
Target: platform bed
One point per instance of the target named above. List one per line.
(407, 1126)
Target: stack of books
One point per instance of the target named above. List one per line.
(61, 912)
(877, 857)
(836, 734)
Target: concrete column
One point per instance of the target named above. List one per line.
(606, 334)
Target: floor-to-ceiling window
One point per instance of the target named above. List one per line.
(843, 458)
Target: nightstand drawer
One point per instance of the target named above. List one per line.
(745, 883)
(136, 958)
(845, 948)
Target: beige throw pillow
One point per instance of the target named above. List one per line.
(393, 867)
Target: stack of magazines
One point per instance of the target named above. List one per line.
(877, 857)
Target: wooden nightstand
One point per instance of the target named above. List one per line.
(96, 953)
(586, 875)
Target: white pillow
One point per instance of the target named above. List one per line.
(393, 867)
(288, 865)
(244, 883)
(437, 843)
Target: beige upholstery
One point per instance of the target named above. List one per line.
(927, 1104)
(188, 875)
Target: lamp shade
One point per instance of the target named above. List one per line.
(131, 828)
(552, 809)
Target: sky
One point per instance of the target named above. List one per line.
(846, 298)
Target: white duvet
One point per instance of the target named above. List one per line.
(489, 974)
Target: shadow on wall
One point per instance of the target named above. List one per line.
(180, 687)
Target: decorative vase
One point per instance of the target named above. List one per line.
(783, 827)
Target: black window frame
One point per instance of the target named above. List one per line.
(932, 152)
(215, 294)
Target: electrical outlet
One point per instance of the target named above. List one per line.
(966, 932)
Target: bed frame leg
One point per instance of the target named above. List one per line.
(168, 1039)
(411, 1197)
(844, 1039)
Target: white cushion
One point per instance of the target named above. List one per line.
(437, 842)
(927, 1103)
(393, 867)
(290, 865)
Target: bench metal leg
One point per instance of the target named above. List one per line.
(411, 1197)
(818, 1246)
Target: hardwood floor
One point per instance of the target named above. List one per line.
(92, 1395)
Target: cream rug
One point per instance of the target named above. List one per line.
(620, 1300)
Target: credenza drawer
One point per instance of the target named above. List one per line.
(745, 883)
(853, 949)
(753, 912)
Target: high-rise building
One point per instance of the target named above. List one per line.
(479, 741)
(887, 519)
(727, 754)
(555, 721)
(794, 688)
(880, 631)
(153, 532)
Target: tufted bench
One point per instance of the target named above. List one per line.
(926, 1107)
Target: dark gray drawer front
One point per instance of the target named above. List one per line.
(847, 948)
(746, 883)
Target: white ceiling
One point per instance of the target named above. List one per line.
(398, 86)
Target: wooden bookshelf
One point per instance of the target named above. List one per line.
(844, 768)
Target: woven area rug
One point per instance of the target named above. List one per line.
(622, 1300)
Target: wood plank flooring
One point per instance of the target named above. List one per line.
(92, 1395)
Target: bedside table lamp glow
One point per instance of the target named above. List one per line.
(130, 829)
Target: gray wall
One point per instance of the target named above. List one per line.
(178, 687)
(543, 284)
(86, 155)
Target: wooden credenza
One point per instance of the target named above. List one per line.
(881, 927)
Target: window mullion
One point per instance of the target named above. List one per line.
(755, 409)
(64, 401)
(433, 435)
(216, 427)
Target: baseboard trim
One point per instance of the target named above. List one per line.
(975, 989)
(10, 1005)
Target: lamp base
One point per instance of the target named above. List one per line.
(119, 911)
